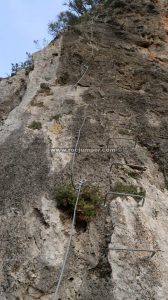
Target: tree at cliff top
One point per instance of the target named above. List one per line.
(76, 10)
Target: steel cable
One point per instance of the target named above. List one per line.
(69, 243)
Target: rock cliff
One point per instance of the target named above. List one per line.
(114, 70)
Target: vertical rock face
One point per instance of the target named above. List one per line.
(114, 70)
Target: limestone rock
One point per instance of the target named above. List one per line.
(124, 96)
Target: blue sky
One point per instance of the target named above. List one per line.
(22, 22)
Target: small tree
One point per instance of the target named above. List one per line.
(40, 45)
(27, 65)
(64, 19)
(80, 7)
(77, 6)
(92, 3)
(76, 9)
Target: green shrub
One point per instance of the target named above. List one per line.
(89, 210)
(65, 196)
(35, 125)
(89, 200)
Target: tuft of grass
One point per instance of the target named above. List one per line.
(166, 183)
(45, 89)
(165, 178)
(56, 118)
(35, 125)
(128, 189)
(63, 78)
(44, 86)
(56, 128)
(123, 131)
(29, 69)
(134, 175)
(89, 201)
(39, 104)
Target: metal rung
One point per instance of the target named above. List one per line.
(136, 250)
(128, 195)
(142, 167)
(127, 139)
(121, 138)
(137, 166)
(162, 137)
(125, 194)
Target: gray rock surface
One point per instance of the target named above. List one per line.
(124, 94)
